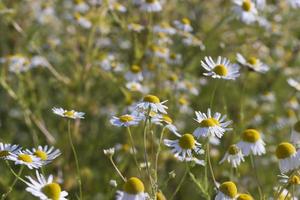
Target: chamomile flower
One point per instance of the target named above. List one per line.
(294, 83)
(136, 87)
(211, 125)
(174, 58)
(18, 63)
(289, 158)
(184, 147)
(252, 63)
(116, 6)
(294, 3)
(184, 25)
(8, 149)
(133, 190)
(244, 197)
(45, 153)
(153, 103)
(252, 143)
(24, 158)
(81, 6)
(134, 74)
(136, 27)
(164, 27)
(125, 120)
(83, 21)
(191, 40)
(222, 68)
(164, 120)
(227, 191)
(151, 6)
(45, 188)
(68, 113)
(233, 156)
(246, 11)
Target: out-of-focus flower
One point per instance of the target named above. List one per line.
(151, 6)
(289, 158)
(252, 143)
(252, 63)
(234, 156)
(68, 113)
(245, 10)
(184, 25)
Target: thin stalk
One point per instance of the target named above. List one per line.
(158, 152)
(76, 159)
(256, 177)
(117, 169)
(14, 173)
(133, 147)
(13, 183)
(181, 182)
(198, 184)
(213, 94)
(209, 164)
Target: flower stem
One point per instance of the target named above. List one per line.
(209, 164)
(117, 169)
(181, 182)
(134, 149)
(76, 159)
(17, 177)
(256, 177)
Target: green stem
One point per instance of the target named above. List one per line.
(17, 177)
(133, 147)
(117, 169)
(209, 163)
(198, 184)
(256, 177)
(181, 182)
(76, 159)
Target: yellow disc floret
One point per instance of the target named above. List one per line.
(252, 60)
(185, 21)
(294, 180)
(187, 141)
(41, 154)
(210, 122)
(52, 191)
(251, 135)
(4, 154)
(233, 150)
(246, 5)
(126, 118)
(285, 150)
(70, 113)
(220, 70)
(151, 99)
(245, 197)
(25, 158)
(135, 69)
(150, 1)
(160, 196)
(167, 119)
(134, 186)
(228, 188)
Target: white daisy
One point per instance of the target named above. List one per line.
(234, 156)
(136, 87)
(8, 149)
(68, 113)
(252, 143)
(164, 27)
(135, 27)
(18, 63)
(260, 4)
(133, 190)
(184, 147)
(191, 40)
(174, 59)
(294, 3)
(227, 191)
(110, 63)
(164, 120)
(252, 63)
(83, 21)
(245, 10)
(294, 83)
(151, 6)
(153, 103)
(184, 25)
(45, 188)
(24, 158)
(81, 6)
(45, 153)
(211, 125)
(125, 120)
(222, 68)
(134, 74)
(289, 158)
(117, 7)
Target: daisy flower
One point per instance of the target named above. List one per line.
(164, 27)
(134, 74)
(222, 68)
(233, 156)
(164, 120)
(184, 24)
(227, 191)
(294, 3)
(136, 87)
(252, 143)
(289, 158)
(8, 149)
(45, 188)
(117, 7)
(244, 197)
(83, 21)
(184, 147)
(24, 158)
(109, 152)
(246, 11)
(153, 103)
(151, 6)
(18, 63)
(133, 190)
(294, 83)
(135, 27)
(252, 63)
(174, 58)
(68, 113)
(125, 120)
(211, 125)
(45, 153)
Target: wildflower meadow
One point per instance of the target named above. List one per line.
(150, 99)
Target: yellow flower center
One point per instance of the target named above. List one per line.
(3, 154)
(167, 119)
(173, 77)
(294, 180)
(151, 99)
(70, 113)
(285, 150)
(252, 60)
(187, 141)
(185, 21)
(229, 189)
(52, 191)
(126, 118)
(210, 122)
(251, 135)
(297, 126)
(150, 1)
(160, 196)
(221, 70)
(233, 150)
(245, 197)
(41, 154)
(183, 101)
(246, 5)
(134, 186)
(135, 69)
(25, 158)
(173, 56)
